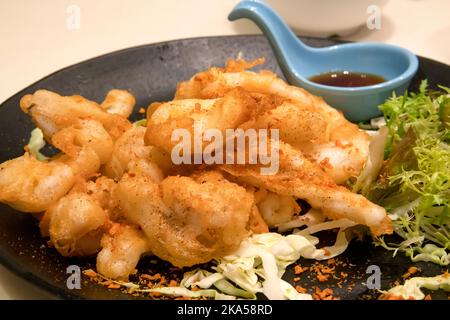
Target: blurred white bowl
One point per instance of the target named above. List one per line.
(325, 17)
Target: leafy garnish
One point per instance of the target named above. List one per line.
(414, 184)
(140, 123)
(256, 267)
(36, 143)
(412, 288)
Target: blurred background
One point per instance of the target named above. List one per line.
(40, 37)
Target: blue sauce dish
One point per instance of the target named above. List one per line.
(300, 63)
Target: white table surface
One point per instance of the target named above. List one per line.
(35, 41)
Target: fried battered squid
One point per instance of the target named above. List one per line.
(299, 176)
(114, 190)
(52, 112)
(29, 185)
(187, 220)
(305, 121)
(302, 179)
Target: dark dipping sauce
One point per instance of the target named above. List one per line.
(347, 79)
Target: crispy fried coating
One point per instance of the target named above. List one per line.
(216, 82)
(219, 114)
(122, 248)
(275, 208)
(102, 190)
(130, 154)
(302, 179)
(119, 102)
(305, 121)
(84, 134)
(29, 185)
(313, 127)
(32, 186)
(184, 214)
(187, 220)
(52, 112)
(76, 224)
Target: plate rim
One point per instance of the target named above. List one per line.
(112, 53)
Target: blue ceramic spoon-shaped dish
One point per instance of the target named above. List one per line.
(299, 62)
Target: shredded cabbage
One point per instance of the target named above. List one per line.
(374, 162)
(431, 253)
(36, 143)
(183, 292)
(373, 125)
(313, 216)
(378, 122)
(140, 123)
(259, 264)
(332, 224)
(412, 287)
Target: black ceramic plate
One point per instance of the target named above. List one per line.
(151, 73)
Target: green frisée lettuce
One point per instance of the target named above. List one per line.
(414, 183)
(140, 123)
(412, 288)
(36, 143)
(418, 110)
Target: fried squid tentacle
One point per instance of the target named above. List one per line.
(122, 248)
(300, 178)
(187, 220)
(305, 121)
(52, 112)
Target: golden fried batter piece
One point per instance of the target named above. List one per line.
(119, 102)
(102, 190)
(219, 114)
(130, 154)
(52, 112)
(305, 121)
(122, 248)
(187, 220)
(81, 216)
(299, 178)
(76, 224)
(84, 134)
(312, 128)
(240, 65)
(29, 185)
